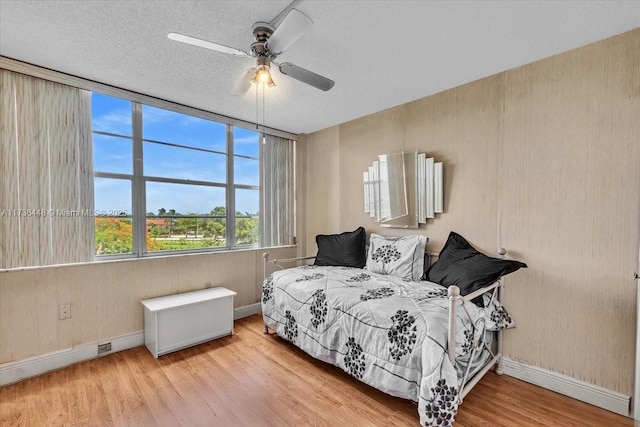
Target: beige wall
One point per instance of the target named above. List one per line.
(542, 160)
(105, 296)
(569, 198)
(319, 176)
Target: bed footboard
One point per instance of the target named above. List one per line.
(456, 301)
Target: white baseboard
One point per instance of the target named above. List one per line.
(580, 390)
(247, 310)
(16, 371)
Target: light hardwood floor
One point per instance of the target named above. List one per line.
(251, 379)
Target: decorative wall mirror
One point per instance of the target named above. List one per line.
(403, 190)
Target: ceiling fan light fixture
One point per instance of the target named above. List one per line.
(263, 73)
(263, 76)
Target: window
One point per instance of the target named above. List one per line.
(196, 186)
(113, 171)
(246, 173)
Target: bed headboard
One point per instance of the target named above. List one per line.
(429, 258)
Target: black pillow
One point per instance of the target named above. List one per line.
(345, 249)
(461, 265)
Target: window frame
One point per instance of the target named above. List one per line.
(139, 182)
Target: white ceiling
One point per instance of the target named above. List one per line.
(380, 53)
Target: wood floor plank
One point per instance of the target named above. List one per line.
(252, 379)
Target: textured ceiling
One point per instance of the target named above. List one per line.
(380, 53)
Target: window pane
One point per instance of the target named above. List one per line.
(182, 216)
(247, 202)
(176, 128)
(246, 142)
(112, 154)
(110, 114)
(113, 229)
(112, 195)
(184, 163)
(246, 171)
(247, 231)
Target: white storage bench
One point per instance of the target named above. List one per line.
(174, 322)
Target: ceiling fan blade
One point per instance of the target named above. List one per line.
(294, 25)
(244, 84)
(207, 45)
(306, 76)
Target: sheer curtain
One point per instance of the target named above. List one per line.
(277, 195)
(46, 176)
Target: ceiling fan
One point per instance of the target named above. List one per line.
(270, 42)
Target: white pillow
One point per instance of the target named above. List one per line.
(397, 256)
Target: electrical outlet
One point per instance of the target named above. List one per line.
(65, 311)
(207, 285)
(104, 348)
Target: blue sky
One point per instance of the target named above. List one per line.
(115, 154)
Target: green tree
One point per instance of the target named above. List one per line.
(190, 225)
(215, 229)
(113, 236)
(246, 231)
(157, 231)
(219, 211)
(177, 226)
(218, 226)
(170, 221)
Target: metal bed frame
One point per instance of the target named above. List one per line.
(456, 302)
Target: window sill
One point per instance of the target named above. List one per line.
(107, 259)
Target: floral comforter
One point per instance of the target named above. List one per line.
(386, 332)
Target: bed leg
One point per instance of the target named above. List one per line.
(265, 257)
(499, 370)
(454, 294)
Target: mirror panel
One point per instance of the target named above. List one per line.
(393, 189)
(403, 190)
(405, 171)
